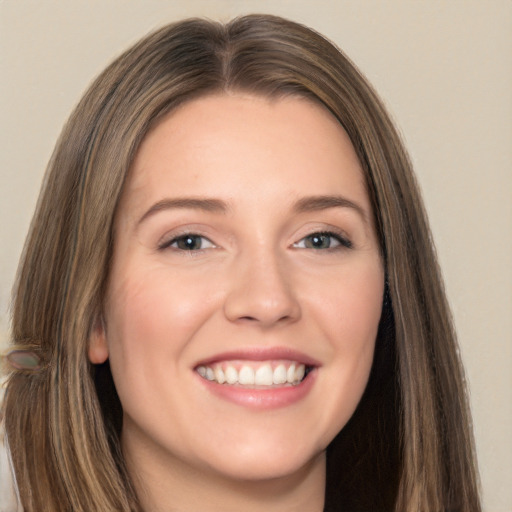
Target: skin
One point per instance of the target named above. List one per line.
(256, 282)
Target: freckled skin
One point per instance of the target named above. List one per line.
(255, 283)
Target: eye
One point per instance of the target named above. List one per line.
(188, 242)
(323, 240)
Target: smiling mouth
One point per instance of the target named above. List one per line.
(255, 374)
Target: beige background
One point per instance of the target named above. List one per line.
(444, 68)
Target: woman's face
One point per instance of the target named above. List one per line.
(245, 291)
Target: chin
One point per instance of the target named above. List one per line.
(269, 464)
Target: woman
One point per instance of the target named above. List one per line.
(232, 295)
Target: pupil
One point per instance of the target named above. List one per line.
(320, 241)
(190, 243)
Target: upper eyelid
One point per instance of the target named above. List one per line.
(326, 229)
(181, 231)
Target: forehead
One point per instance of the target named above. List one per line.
(229, 143)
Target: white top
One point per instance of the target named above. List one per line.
(9, 498)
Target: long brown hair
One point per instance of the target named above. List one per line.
(409, 445)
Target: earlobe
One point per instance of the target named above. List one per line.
(98, 347)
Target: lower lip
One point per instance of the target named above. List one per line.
(271, 398)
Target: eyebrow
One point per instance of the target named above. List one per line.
(315, 203)
(195, 203)
(303, 205)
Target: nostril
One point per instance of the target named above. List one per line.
(263, 322)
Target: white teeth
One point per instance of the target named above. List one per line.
(219, 375)
(290, 374)
(263, 376)
(250, 375)
(231, 375)
(246, 376)
(279, 376)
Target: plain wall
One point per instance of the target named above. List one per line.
(444, 68)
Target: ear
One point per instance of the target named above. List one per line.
(98, 348)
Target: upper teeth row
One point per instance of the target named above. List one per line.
(263, 375)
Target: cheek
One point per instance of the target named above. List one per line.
(350, 316)
(149, 326)
(152, 314)
(351, 306)
(153, 304)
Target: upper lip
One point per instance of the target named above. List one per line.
(261, 354)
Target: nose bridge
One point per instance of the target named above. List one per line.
(261, 287)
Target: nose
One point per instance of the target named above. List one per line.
(261, 291)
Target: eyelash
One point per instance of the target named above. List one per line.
(187, 236)
(342, 241)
